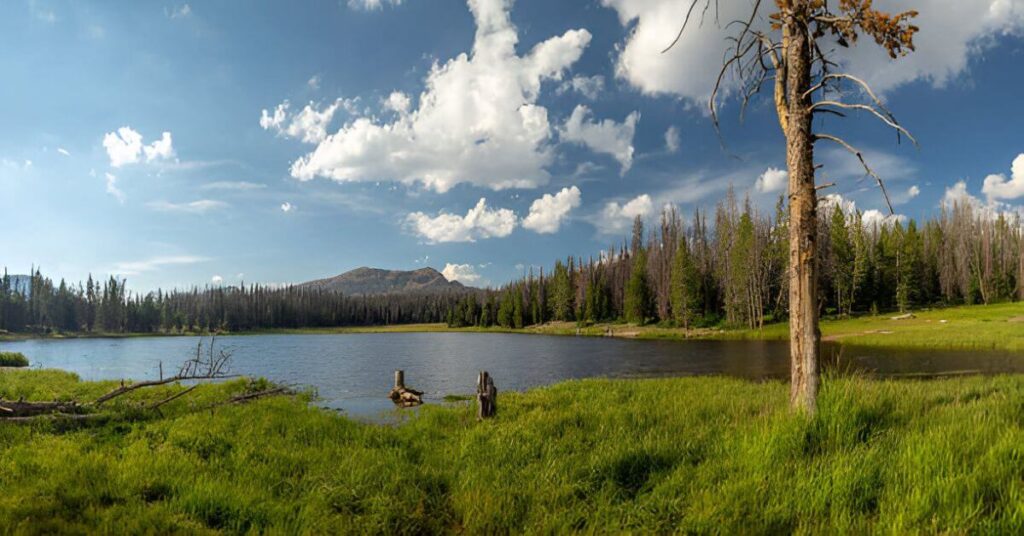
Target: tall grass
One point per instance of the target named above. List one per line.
(13, 359)
(688, 454)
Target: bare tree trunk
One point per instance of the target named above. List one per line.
(803, 222)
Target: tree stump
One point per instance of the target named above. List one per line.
(403, 396)
(486, 396)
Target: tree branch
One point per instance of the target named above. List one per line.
(860, 156)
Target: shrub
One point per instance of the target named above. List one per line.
(13, 359)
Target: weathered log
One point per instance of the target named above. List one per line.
(20, 408)
(486, 396)
(403, 396)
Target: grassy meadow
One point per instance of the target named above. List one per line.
(689, 454)
(975, 327)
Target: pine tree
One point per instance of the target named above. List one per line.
(685, 292)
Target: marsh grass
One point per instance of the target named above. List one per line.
(688, 454)
(13, 359)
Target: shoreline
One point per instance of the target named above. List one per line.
(974, 327)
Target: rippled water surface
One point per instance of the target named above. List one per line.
(353, 372)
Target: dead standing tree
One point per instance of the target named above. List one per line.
(788, 49)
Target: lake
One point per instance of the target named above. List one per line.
(353, 372)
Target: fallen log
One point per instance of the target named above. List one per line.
(403, 396)
(13, 409)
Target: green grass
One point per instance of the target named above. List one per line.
(13, 359)
(689, 455)
(977, 327)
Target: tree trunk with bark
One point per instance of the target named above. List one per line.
(796, 121)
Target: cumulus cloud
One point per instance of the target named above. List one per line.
(200, 206)
(398, 102)
(548, 212)
(217, 280)
(870, 219)
(287, 207)
(1001, 187)
(958, 195)
(477, 119)
(951, 32)
(480, 222)
(588, 86)
(772, 180)
(617, 219)
(309, 124)
(606, 136)
(125, 146)
(314, 82)
(672, 139)
(463, 273)
(112, 188)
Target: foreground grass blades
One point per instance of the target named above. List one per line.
(691, 454)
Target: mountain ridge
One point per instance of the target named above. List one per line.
(366, 281)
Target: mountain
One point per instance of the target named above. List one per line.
(377, 281)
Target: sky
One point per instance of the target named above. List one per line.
(209, 143)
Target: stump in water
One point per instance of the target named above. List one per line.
(486, 396)
(403, 396)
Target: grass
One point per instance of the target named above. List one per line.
(13, 359)
(688, 455)
(976, 327)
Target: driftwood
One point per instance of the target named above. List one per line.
(486, 396)
(403, 396)
(208, 364)
(203, 366)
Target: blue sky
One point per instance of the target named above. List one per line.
(304, 139)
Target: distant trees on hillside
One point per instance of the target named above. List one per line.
(734, 273)
(108, 307)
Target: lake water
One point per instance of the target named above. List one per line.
(354, 372)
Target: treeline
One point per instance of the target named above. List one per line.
(732, 270)
(41, 306)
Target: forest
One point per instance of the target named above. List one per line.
(729, 269)
(109, 307)
(722, 268)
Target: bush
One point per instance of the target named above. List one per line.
(13, 359)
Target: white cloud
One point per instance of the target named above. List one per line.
(548, 212)
(480, 222)
(588, 86)
(200, 206)
(371, 5)
(913, 192)
(870, 218)
(112, 188)
(63, 151)
(477, 120)
(607, 136)
(287, 207)
(232, 185)
(398, 102)
(463, 273)
(999, 187)
(314, 82)
(672, 142)
(154, 263)
(958, 195)
(217, 280)
(161, 149)
(309, 124)
(950, 33)
(616, 218)
(772, 180)
(124, 146)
